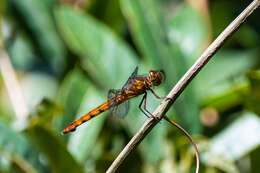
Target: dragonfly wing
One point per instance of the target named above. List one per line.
(134, 74)
(121, 110)
(117, 110)
(130, 79)
(112, 93)
(111, 97)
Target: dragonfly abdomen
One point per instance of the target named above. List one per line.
(98, 110)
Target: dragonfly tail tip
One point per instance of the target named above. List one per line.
(63, 132)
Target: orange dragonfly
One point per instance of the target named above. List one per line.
(118, 100)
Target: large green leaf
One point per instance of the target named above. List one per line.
(37, 17)
(18, 148)
(151, 35)
(103, 54)
(54, 151)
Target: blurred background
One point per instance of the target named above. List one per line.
(60, 57)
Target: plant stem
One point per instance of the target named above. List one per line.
(12, 86)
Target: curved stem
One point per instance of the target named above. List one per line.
(191, 140)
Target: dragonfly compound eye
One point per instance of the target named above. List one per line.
(155, 77)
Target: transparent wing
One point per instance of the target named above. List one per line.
(120, 110)
(134, 74)
(130, 79)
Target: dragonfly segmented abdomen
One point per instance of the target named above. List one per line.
(98, 110)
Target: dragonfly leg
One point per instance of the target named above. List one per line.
(158, 97)
(140, 105)
(145, 96)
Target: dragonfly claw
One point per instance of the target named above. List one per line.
(156, 118)
(168, 98)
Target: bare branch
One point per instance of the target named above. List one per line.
(181, 85)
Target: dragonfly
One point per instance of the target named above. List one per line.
(118, 102)
(118, 99)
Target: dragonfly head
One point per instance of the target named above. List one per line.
(155, 77)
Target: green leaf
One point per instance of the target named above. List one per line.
(21, 52)
(37, 16)
(247, 36)
(18, 148)
(220, 20)
(254, 160)
(103, 54)
(253, 100)
(107, 10)
(54, 151)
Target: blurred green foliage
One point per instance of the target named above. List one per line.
(68, 53)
